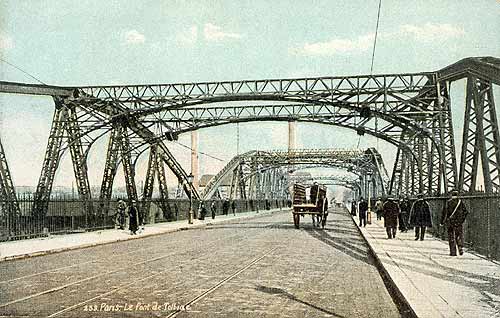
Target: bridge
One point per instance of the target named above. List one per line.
(411, 111)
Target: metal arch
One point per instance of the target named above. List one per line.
(266, 160)
(357, 90)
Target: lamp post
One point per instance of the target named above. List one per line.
(190, 179)
(369, 212)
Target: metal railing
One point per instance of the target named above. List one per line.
(71, 215)
(481, 227)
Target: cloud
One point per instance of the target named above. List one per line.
(335, 46)
(430, 31)
(134, 37)
(188, 37)
(215, 33)
(6, 42)
(422, 33)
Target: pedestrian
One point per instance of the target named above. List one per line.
(202, 211)
(225, 206)
(213, 209)
(133, 216)
(354, 206)
(420, 216)
(379, 208)
(454, 214)
(233, 206)
(404, 206)
(363, 208)
(391, 211)
(121, 208)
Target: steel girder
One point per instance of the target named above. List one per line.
(155, 168)
(334, 180)
(138, 134)
(413, 94)
(480, 138)
(64, 127)
(118, 148)
(8, 200)
(261, 165)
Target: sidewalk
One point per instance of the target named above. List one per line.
(57, 243)
(430, 281)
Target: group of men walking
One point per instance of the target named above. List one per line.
(135, 219)
(417, 215)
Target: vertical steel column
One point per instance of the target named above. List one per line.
(78, 159)
(162, 186)
(234, 184)
(128, 168)
(50, 162)
(241, 182)
(110, 168)
(445, 157)
(8, 198)
(147, 193)
(396, 177)
(480, 138)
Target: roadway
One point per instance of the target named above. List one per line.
(260, 267)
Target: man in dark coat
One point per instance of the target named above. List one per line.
(390, 212)
(225, 206)
(420, 217)
(233, 206)
(379, 208)
(133, 217)
(354, 207)
(454, 214)
(202, 211)
(363, 207)
(213, 209)
(404, 206)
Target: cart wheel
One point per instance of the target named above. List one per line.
(296, 220)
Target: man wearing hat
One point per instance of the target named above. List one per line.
(121, 214)
(133, 217)
(420, 216)
(391, 211)
(363, 208)
(454, 214)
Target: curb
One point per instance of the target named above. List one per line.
(167, 231)
(402, 303)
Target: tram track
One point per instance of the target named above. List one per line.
(222, 282)
(99, 261)
(198, 249)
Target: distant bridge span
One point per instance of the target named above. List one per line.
(411, 110)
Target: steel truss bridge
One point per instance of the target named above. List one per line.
(266, 174)
(410, 110)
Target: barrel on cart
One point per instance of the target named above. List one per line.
(316, 206)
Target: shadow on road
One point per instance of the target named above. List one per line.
(283, 293)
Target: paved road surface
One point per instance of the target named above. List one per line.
(260, 267)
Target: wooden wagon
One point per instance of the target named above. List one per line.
(316, 206)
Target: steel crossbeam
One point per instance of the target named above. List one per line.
(260, 166)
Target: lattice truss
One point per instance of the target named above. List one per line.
(262, 174)
(411, 111)
(346, 181)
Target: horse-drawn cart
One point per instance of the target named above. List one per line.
(317, 206)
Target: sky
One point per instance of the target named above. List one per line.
(135, 42)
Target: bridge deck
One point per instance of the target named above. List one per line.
(246, 268)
